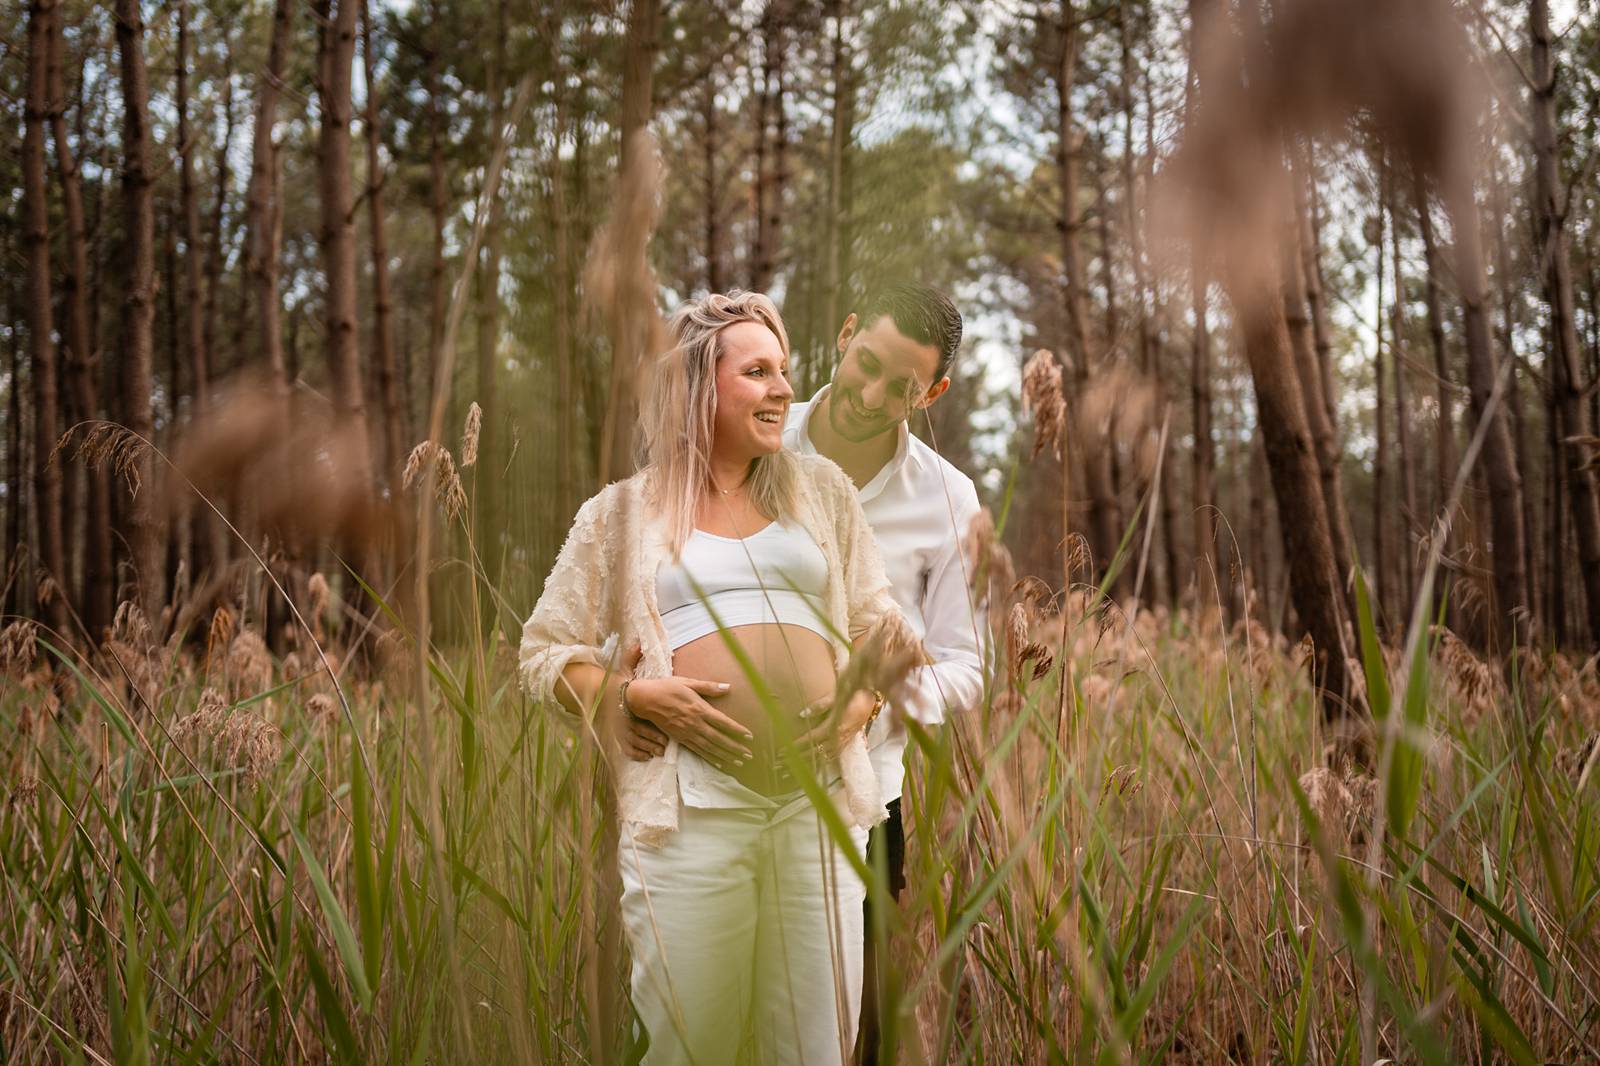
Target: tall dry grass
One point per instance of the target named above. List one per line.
(204, 858)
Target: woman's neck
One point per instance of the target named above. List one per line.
(728, 473)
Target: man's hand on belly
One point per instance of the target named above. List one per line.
(678, 707)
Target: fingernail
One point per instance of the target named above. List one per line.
(724, 686)
(738, 762)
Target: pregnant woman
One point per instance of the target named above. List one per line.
(745, 575)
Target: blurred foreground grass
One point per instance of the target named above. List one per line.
(199, 862)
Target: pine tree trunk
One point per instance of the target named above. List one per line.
(759, 78)
(384, 367)
(215, 243)
(138, 301)
(638, 105)
(841, 133)
(1153, 326)
(1497, 460)
(1444, 441)
(1208, 558)
(771, 114)
(1303, 338)
(81, 361)
(1258, 574)
(711, 193)
(567, 390)
(1397, 360)
(1566, 373)
(438, 196)
(1297, 485)
(1444, 433)
(213, 545)
(50, 545)
(1316, 288)
(262, 207)
(193, 333)
(337, 237)
(1104, 524)
(1381, 504)
(1555, 556)
(487, 479)
(179, 541)
(12, 602)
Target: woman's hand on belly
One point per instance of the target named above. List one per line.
(678, 706)
(836, 726)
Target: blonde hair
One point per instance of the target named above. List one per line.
(679, 415)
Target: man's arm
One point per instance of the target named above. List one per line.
(955, 678)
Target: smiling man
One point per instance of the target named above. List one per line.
(896, 355)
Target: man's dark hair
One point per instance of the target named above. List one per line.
(924, 314)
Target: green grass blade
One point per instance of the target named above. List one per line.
(344, 937)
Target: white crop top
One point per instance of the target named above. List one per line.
(776, 575)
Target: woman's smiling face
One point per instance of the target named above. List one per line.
(753, 393)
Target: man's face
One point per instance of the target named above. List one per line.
(883, 377)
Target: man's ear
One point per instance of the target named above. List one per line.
(847, 332)
(936, 390)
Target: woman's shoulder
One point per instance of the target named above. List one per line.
(615, 494)
(820, 474)
(610, 501)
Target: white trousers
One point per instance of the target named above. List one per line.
(746, 933)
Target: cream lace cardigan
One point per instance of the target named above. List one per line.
(601, 597)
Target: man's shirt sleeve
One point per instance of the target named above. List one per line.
(954, 681)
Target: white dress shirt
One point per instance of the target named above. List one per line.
(919, 507)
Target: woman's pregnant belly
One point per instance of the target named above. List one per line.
(796, 666)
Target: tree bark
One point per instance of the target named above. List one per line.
(51, 546)
(337, 235)
(568, 393)
(438, 195)
(1316, 289)
(1566, 373)
(841, 134)
(193, 334)
(1297, 303)
(262, 206)
(1104, 524)
(138, 301)
(1402, 411)
(1152, 309)
(1381, 504)
(487, 480)
(1497, 460)
(1444, 440)
(1444, 433)
(1208, 559)
(11, 594)
(384, 367)
(638, 105)
(771, 114)
(219, 213)
(1296, 482)
(711, 192)
(82, 361)
(214, 547)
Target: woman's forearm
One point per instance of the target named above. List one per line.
(585, 685)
